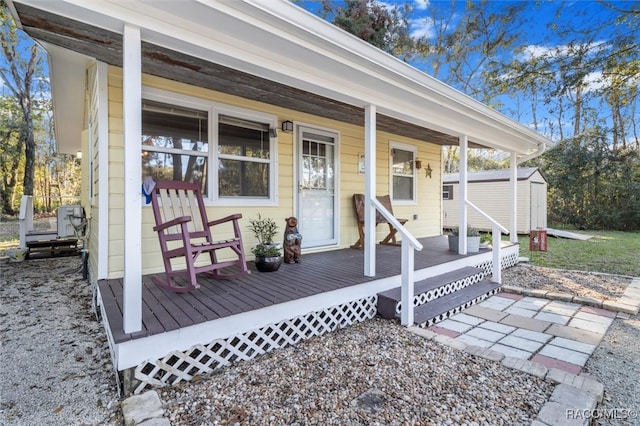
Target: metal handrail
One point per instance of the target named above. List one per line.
(409, 245)
(496, 241)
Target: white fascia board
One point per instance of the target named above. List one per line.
(282, 42)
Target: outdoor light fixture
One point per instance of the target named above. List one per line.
(418, 164)
(287, 126)
(428, 170)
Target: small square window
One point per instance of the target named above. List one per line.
(447, 192)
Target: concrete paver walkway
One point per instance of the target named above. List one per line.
(550, 337)
(556, 334)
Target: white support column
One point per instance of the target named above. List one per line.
(369, 190)
(462, 238)
(132, 118)
(513, 181)
(407, 288)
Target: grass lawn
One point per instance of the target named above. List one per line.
(612, 252)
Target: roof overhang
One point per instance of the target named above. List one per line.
(275, 52)
(67, 72)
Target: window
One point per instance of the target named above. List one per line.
(229, 151)
(175, 143)
(403, 185)
(447, 192)
(244, 154)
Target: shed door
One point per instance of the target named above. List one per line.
(538, 205)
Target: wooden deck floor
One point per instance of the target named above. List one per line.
(164, 311)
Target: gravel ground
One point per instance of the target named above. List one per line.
(616, 363)
(370, 373)
(56, 367)
(586, 284)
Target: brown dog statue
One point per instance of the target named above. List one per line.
(292, 241)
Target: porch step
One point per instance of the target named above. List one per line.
(429, 290)
(438, 310)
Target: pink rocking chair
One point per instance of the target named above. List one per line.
(185, 232)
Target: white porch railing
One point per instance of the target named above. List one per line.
(496, 236)
(25, 218)
(408, 246)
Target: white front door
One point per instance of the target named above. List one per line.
(317, 195)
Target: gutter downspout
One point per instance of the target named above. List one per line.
(541, 149)
(514, 184)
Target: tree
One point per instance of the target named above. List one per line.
(593, 185)
(21, 73)
(10, 153)
(382, 25)
(465, 51)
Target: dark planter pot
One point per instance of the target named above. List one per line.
(268, 264)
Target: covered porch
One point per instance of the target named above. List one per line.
(224, 321)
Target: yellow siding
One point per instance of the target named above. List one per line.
(351, 143)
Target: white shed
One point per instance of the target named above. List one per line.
(489, 190)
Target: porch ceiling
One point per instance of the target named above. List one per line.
(277, 53)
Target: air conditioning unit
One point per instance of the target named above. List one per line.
(67, 217)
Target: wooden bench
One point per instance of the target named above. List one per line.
(358, 207)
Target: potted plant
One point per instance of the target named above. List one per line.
(268, 255)
(473, 239)
(485, 240)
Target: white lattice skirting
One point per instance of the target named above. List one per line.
(506, 261)
(203, 359)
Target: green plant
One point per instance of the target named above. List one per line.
(471, 232)
(264, 229)
(266, 250)
(485, 238)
